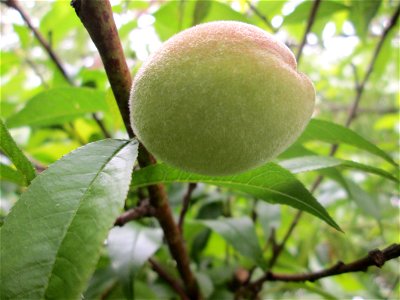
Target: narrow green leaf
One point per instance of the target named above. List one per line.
(129, 248)
(201, 10)
(10, 148)
(312, 163)
(240, 233)
(363, 200)
(57, 106)
(9, 174)
(362, 13)
(51, 239)
(270, 182)
(333, 133)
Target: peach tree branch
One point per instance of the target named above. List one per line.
(373, 258)
(53, 56)
(97, 17)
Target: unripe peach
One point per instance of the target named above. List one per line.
(220, 98)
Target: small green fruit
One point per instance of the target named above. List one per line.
(220, 98)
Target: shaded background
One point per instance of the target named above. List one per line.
(336, 57)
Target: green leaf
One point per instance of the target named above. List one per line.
(10, 148)
(58, 106)
(363, 200)
(240, 233)
(9, 174)
(201, 10)
(175, 16)
(51, 239)
(53, 30)
(312, 163)
(333, 133)
(129, 248)
(302, 11)
(270, 183)
(361, 14)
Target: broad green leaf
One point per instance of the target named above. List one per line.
(129, 248)
(302, 11)
(53, 30)
(51, 239)
(336, 134)
(126, 29)
(361, 14)
(8, 61)
(24, 35)
(270, 183)
(10, 148)
(312, 163)
(57, 106)
(222, 11)
(240, 233)
(9, 174)
(270, 8)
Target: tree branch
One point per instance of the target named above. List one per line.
(185, 204)
(97, 17)
(53, 56)
(144, 209)
(310, 23)
(168, 278)
(262, 17)
(15, 4)
(98, 20)
(373, 258)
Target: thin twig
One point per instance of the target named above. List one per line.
(262, 17)
(97, 17)
(144, 209)
(310, 23)
(168, 278)
(373, 258)
(351, 116)
(54, 57)
(352, 112)
(15, 4)
(185, 204)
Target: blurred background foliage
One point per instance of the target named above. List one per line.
(336, 56)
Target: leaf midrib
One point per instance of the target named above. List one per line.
(77, 209)
(244, 185)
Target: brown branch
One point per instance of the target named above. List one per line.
(97, 17)
(15, 4)
(373, 258)
(98, 20)
(144, 209)
(168, 278)
(42, 41)
(310, 23)
(185, 204)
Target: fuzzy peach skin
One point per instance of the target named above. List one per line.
(220, 98)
